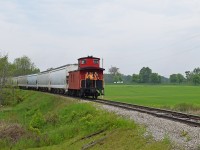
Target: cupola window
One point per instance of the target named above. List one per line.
(83, 61)
(96, 61)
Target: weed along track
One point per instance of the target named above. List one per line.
(192, 120)
(49, 121)
(188, 119)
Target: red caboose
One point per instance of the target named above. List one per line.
(88, 79)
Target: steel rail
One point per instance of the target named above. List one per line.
(188, 119)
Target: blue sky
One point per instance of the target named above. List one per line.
(129, 34)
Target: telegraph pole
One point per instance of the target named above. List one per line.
(103, 81)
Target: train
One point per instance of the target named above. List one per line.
(83, 79)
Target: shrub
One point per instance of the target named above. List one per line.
(6, 97)
(37, 122)
(19, 99)
(51, 118)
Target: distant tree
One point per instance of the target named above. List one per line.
(24, 66)
(117, 77)
(188, 76)
(4, 70)
(196, 71)
(173, 78)
(196, 79)
(108, 78)
(177, 78)
(135, 78)
(164, 79)
(4, 73)
(145, 74)
(193, 76)
(180, 78)
(155, 78)
(114, 71)
(126, 78)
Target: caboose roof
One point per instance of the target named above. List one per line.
(91, 68)
(88, 57)
(88, 68)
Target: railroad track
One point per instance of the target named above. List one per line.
(188, 119)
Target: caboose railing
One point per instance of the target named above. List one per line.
(92, 84)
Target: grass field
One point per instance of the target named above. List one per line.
(36, 120)
(183, 98)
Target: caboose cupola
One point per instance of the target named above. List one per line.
(88, 62)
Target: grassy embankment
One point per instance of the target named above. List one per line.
(180, 98)
(44, 121)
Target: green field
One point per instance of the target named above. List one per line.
(36, 120)
(183, 98)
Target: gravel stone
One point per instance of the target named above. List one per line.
(182, 135)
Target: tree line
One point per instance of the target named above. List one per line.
(20, 66)
(146, 75)
(23, 66)
(191, 77)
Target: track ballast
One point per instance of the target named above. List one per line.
(188, 119)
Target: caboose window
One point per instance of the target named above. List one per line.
(96, 61)
(83, 61)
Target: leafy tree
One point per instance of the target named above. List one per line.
(113, 70)
(116, 75)
(193, 76)
(20, 66)
(4, 73)
(155, 78)
(196, 79)
(173, 78)
(188, 76)
(164, 80)
(180, 78)
(177, 78)
(108, 78)
(196, 71)
(145, 74)
(135, 78)
(127, 78)
(24, 66)
(4, 69)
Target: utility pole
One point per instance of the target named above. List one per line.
(102, 62)
(103, 81)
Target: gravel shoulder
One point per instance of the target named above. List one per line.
(183, 136)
